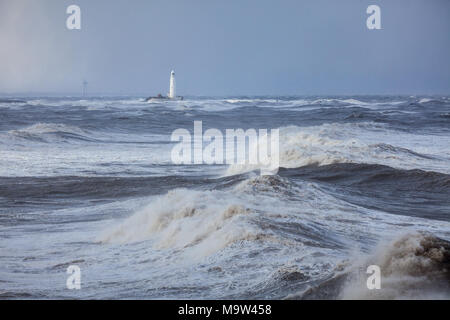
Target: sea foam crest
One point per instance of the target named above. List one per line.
(204, 221)
(413, 266)
(338, 143)
(42, 131)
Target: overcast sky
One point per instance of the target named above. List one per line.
(227, 47)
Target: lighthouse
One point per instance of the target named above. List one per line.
(172, 88)
(172, 95)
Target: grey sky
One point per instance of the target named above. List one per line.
(233, 47)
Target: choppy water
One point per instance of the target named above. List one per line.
(364, 180)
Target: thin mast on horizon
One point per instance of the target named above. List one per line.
(85, 83)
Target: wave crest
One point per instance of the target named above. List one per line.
(414, 266)
(49, 132)
(203, 221)
(336, 143)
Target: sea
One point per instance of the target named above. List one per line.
(89, 182)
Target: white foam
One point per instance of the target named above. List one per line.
(356, 143)
(205, 222)
(43, 128)
(412, 267)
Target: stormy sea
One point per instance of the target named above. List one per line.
(363, 180)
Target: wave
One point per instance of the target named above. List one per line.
(342, 143)
(90, 103)
(50, 132)
(431, 101)
(367, 175)
(303, 104)
(292, 103)
(409, 193)
(90, 187)
(351, 102)
(232, 101)
(294, 228)
(413, 266)
(204, 221)
(8, 101)
(57, 132)
(332, 101)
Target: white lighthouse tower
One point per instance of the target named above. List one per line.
(172, 91)
(172, 95)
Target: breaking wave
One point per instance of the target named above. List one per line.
(331, 144)
(204, 221)
(413, 266)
